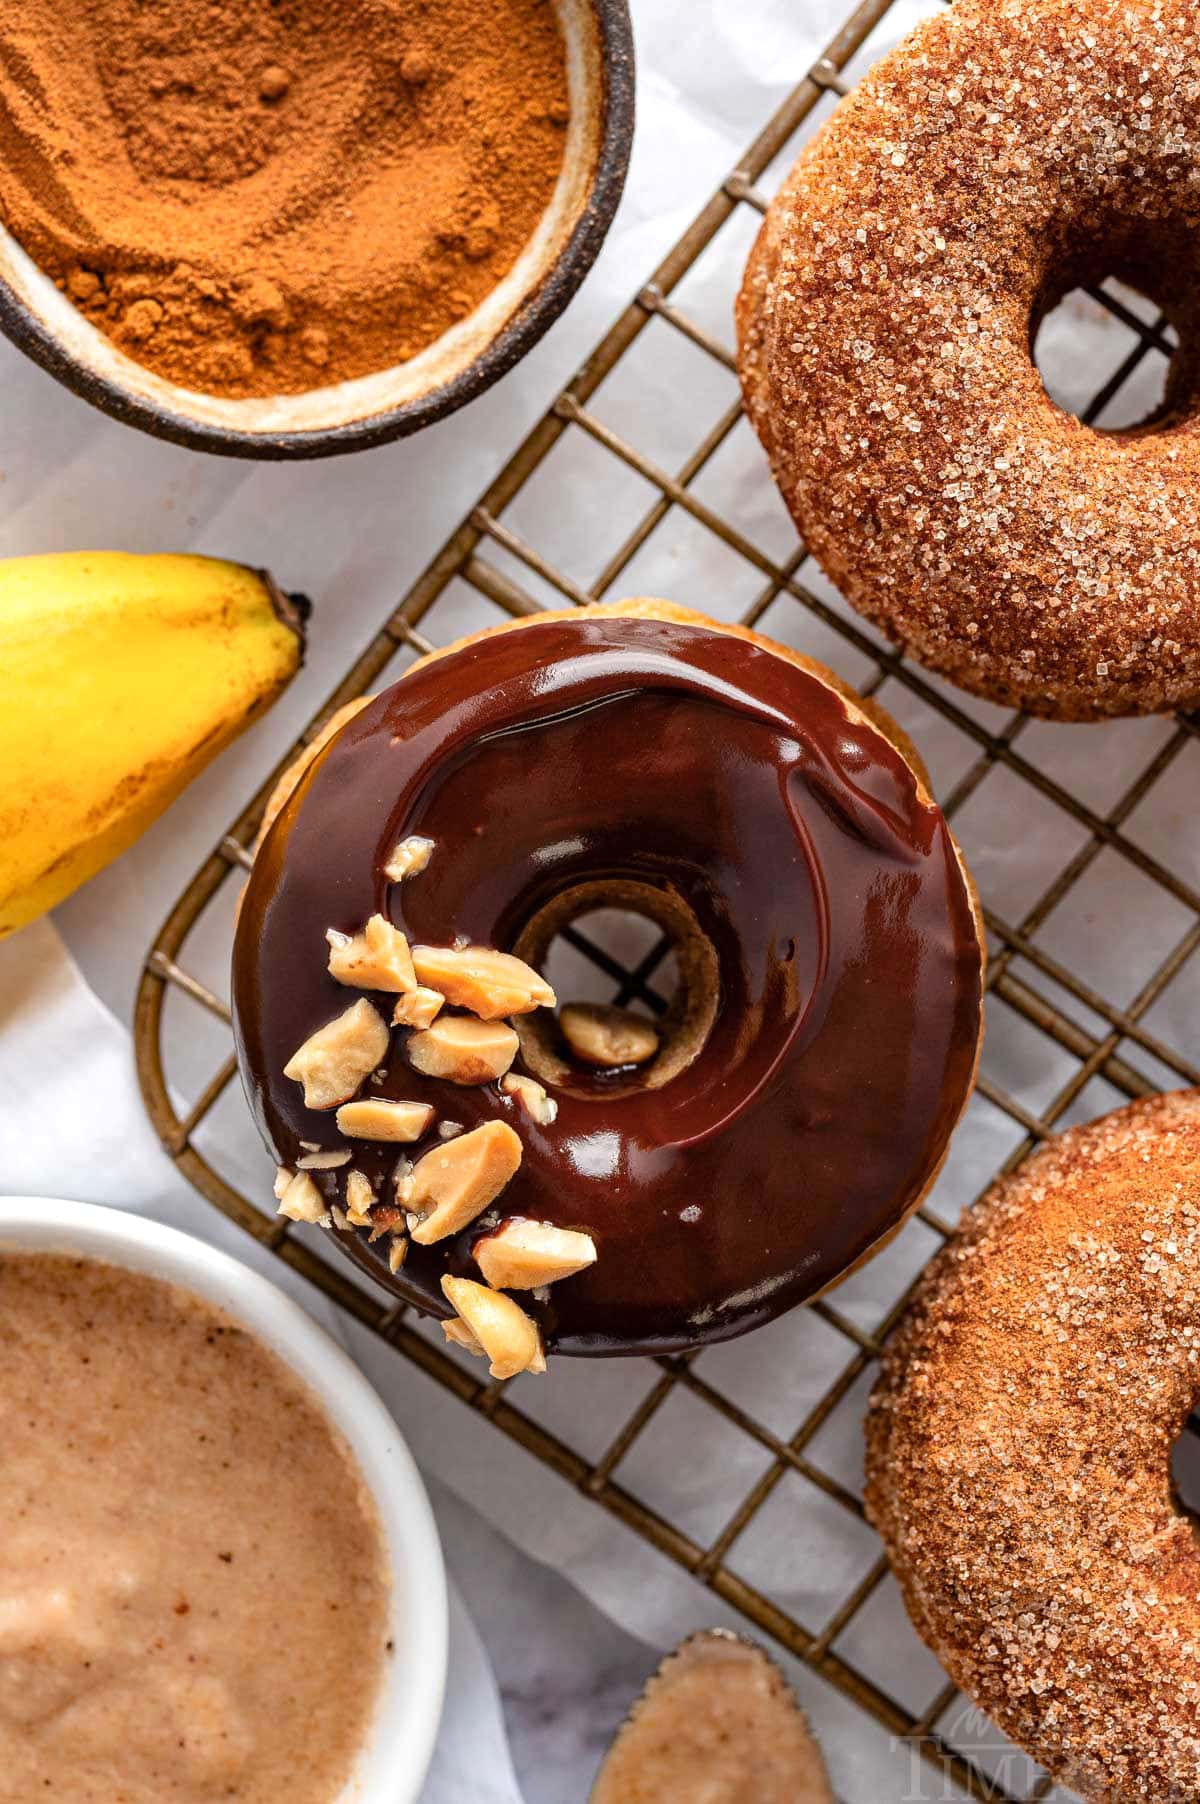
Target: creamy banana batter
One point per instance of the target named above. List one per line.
(193, 1587)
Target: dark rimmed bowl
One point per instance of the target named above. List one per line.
(392, 403)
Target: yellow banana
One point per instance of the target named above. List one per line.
(120, 678)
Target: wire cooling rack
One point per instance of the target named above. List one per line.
(1091, 914)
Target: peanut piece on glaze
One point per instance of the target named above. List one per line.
(359, 1198)
(605, 1036)
(301, 1200)
(333, 1062)
(377, 1119)
(397, 1252)
(521, 1255)
(460, 1335)
(385, 1219)
(491, 984)
(375, 959)
(456, 1182)
(464, 1051)
(324, 1161)
(531, 1095)
(507, 1335)
(409, 858)
(417, 1008)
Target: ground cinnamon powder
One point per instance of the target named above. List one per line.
(256, 197)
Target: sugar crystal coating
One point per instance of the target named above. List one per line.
(1019, 1447)
(1004, 154)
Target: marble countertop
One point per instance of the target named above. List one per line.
(567, 1674)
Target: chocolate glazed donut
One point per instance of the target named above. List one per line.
(824, 1037)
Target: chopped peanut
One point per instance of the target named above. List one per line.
(532, 1097)
(607, 1036)
(359, 1197)
(385, 1219)
(491, 984)
(302, 1201)
(324, 1161)
(456, 1330)
(521, 1255)
(463, 1050)
(333, 1062)
(508, 1336)
(417, 1008)
(409, 858)
(456, 1182)
(397, 1252)
(375, 959)
(377, 1119)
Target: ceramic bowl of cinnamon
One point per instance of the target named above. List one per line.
(294, 228)
(220, 1574)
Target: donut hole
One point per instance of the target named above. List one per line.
(1095, 366)
(1185, 1470)
(625, 942)
(613, 955)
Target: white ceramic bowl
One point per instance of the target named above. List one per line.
(392, 1767)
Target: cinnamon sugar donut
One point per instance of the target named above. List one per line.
(1019, 1447)
(1006, 153)
(808, 1073)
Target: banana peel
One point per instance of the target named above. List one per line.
(121, 677)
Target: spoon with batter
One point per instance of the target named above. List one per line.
(717, 1724)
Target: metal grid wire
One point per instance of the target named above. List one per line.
(1092, 1040)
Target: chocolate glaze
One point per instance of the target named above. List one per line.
(692, 760)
